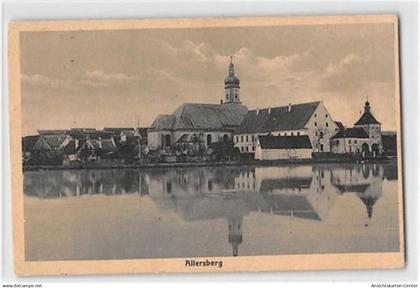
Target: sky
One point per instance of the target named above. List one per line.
(125, 78)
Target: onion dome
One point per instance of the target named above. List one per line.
(231, 80)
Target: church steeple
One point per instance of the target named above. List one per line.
(235, 233)
(232, 85)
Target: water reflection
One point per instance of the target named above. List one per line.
(230, 193)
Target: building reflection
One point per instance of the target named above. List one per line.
(365, 181)
(230, 193)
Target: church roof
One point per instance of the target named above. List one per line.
(164, 121)
(277, 118)
(199, 116)
(357, 132)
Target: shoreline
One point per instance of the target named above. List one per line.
(87, 166)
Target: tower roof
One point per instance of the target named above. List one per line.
(367, 117)
(231, 79)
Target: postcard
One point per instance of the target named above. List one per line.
(206, 145)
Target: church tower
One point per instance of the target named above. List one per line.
(232, 85)
(235, 233)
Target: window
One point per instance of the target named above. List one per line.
(210, 185)
(298, 133)
(246, 138)
(225, 138)
(316, 134)
(316, 124)
(355, 141)
(242, 138)
(326, 124)
(291, 134)
(326, 115)
(242, 149)
(321, 134)
(349, 141)
(168, 187)
(167, 140)
(322, 147)
(253, 148)
(247, 149)
(315, 115)
(285, 134)
(208, 139)
(237, 139)
(252, 137)
(350, 149)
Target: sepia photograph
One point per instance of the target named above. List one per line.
(206, 145)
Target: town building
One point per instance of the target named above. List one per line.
(311, 119)
(201, 122)
(283, 147)
(365, 138)
(52, 142)
(389, 143)
(351, 141)
(28, 143)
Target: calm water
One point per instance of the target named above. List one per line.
(217, 211)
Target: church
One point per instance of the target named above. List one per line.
(201, 122)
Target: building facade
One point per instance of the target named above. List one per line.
(310, 119)
(351, 141)
(365, 138)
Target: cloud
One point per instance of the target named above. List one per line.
(99, 75)
(41, 81)
(343, 66)
(350, 74)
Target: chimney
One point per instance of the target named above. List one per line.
(269, 110)
(258, 111)
(289, 108)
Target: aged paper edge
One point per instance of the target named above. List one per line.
(230, 264)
